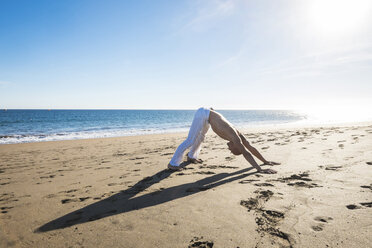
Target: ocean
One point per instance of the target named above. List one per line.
(21, 126)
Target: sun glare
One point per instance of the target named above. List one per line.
(338, 111)
(338, 17)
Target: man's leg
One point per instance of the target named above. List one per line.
(195, 129)
(196, 147)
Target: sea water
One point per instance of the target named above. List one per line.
(20, 126)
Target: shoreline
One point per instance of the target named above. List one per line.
(255, 128)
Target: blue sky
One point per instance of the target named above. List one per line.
(185, 54)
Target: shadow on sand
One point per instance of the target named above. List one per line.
(125, 200)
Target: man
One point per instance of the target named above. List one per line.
(237, 143)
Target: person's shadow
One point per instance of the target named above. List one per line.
(125, 200)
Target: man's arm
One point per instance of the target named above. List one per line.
(251, 148)
(254, 151)
(251, 160)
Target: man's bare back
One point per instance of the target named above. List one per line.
(222, 127)
(237, 142)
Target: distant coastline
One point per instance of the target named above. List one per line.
(34, 125)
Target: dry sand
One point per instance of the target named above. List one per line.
(117, 192)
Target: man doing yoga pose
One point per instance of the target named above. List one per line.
(237, 143)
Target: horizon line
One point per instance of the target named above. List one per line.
(50, 109)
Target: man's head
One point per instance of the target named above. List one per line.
(234, 150)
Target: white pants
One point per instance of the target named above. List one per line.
(199, 127)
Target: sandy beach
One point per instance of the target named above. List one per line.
(117, 192)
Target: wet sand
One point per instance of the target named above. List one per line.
(117, 192)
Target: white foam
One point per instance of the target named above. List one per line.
(14, 139)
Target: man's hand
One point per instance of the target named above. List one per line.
(271, 163)
(268, 171)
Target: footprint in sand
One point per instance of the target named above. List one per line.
(352, 206)
(303, 184)
(229, 158)
(322, 220)
(8, 198)
(367, 186)
(264, 194)
(299, 180)
(366, 204)
(250, 204)
(103, 168)
(198, 242)
(334, 168)
(318, 227)
(267, 220)
(264, 184)
(167, 154)
(80, 199)
(120, 154)
(69, 191)
(50, 176)
(4, 210)
(137, 158)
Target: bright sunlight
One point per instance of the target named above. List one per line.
(338, 17)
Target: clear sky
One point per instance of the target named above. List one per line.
(184, 54)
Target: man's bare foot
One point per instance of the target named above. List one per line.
(174, 168)
(194, 161)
